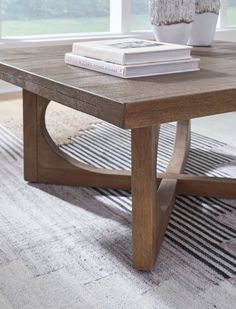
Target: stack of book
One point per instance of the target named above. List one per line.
(131, 57)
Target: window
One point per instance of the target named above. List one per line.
(140, 15)
(43, 17)
(231, 12)
(20, 18)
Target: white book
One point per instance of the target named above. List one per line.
(131, 51)
(132, 71)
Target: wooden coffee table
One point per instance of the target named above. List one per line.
(140, 105)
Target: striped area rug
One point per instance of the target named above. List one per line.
(65, 247)
(194, 226)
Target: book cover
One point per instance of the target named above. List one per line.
(131, 51)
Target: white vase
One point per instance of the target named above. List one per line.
(203, 29)
(175, 33)
(172, 19)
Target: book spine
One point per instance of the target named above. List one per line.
(113, 57)
(95, 65)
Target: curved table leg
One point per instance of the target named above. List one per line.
(153, 194)
(45, 162)
(151, 207)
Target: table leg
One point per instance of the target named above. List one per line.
(33, 108)
(153, 195)
(153, 198)
(44, 162)
(145, 219)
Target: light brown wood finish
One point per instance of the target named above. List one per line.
(167, 189)
(139, 104)
(206, 186)
(30, 136)
(45, 162)
(145, 212)
(127, 103)
(151, 206)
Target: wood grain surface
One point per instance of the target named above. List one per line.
(145, 211)
(127, 103)
(136, 104)
(44, 162)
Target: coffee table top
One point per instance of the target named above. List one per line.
(127, 103)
